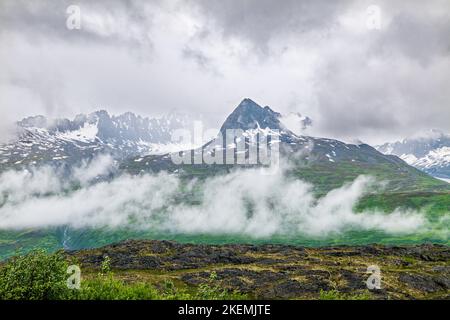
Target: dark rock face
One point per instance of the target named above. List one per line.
(288, 289)
(425, 282)
(250, 115)
(284, 271)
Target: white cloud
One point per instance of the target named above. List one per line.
(243, 202)
(90, 170)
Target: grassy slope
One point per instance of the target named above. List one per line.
(434, 204)
(328, 176)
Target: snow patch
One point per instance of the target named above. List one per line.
(87, 133)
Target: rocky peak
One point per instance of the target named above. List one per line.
(250, 115)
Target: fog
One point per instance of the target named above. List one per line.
(251, 202)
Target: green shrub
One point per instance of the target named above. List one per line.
(108, 288)
(336, 295)
(212, 290)
(34, 276)
(42, 276)
(106, 265)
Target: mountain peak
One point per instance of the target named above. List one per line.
(38, 121)
(250, 115)
(248, 103)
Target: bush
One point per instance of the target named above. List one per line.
(336, 295)
(108, 288)
(42, 276)
(212, 290)
(106, 265)
(35, 276)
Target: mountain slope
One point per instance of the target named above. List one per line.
(327, 163)
(429, 153)
(62, 141)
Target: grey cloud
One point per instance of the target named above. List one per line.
(201, 60)
(40, 21)
(418, 37)
(197, 56)
(369, 85)
(259, 21)
(375, 101)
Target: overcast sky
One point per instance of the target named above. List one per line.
(318, 58)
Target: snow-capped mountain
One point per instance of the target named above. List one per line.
(327, 163)
(428, 152)
(41, 140)
(143, 144)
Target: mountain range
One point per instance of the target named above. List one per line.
(145, 145)
(327, 163)
(429, 152)
(43, 141)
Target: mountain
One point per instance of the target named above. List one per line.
(44, 141)
(249, 115)
(327, 163)
(143, 144)
(429, 152)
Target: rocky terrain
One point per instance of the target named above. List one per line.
(280, 271)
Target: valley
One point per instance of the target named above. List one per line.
(348, 186)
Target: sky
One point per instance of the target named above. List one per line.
(371, 70)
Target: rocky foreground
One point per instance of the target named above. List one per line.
(280, 271)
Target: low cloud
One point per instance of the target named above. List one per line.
(241, 203)
(101, 165)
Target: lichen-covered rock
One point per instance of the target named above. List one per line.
(282, 271)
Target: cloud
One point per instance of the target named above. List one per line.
(296, 122)
(260, 21)
(88, 171)
(419, 37)
(116, 23)
(317, 58)
(8, 131)
(241, 203)
(19, 186)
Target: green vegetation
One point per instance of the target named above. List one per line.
(435, 204)
(336, 295)
(41, 276)
(402, 178)
(35, 276)
(135, 270)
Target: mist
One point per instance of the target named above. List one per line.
(253, 202)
